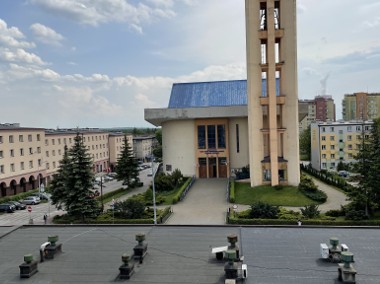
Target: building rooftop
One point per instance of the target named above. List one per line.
(212, 94)
(182, 254)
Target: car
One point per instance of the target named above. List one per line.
(18, 205)
(31, 200)
(42, 196)
(7, 207)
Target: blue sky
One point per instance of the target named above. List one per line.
(85, 63)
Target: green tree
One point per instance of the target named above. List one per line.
(130, 208)
(305, 144)
(127, 166)
(367, 197)
(263, 210)
(310, 211)
(72, 189)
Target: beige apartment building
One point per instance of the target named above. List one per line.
(29, 157)
(143, 147)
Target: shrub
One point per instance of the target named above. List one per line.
(309, 189)
(310, 211)
(263, 210)
(179, 193)
(335, 213)
(232, 191)
(130, 208)
(286, 214)
(356, 215)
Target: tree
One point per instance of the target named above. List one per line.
(367, 197)
(127, 166)
(157, 151)
(130, 208)
(72, 188)
(310, 211)
(305, 143)
(263, 210)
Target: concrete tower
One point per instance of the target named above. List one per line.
(272, 91)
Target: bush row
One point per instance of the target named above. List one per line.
(232, 190)
(179, 193)
(18, 197)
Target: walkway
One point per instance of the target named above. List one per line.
(205, 204)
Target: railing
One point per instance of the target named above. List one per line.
(183, 195)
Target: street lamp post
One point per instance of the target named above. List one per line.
(154, 192)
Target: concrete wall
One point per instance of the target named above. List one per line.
(178, 138)
(238, 159)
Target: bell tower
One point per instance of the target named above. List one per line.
(271, 38)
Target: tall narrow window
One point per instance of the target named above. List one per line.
(211, 136)
(221, 137)
(237, 139)
(201, 137)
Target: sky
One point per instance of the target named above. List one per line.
(87, 63)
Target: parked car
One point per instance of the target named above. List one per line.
(18, 205)
(31, 200)
(42, 196)
(6, 207)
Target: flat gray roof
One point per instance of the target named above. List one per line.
(182, 254)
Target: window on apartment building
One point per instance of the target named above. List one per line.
(332, 156)
(211, 137)
(30, 150)
(323, 147)
(39, 162)
(12, 168)
(21, 138)
(357, 146)
(47, 153)
(21, 152)
(323, 129)
(332, 147)
(366, 136)
(358, 128)
(93, 147)
(349, 146)
(332, 129)
(332, 165)
(1, 139)
(22, 166)
(30, 138)
(323, 156)
(367, 128)
(39, 150)
(30, 164)
(46, 142)
(38, 137)
(53, 165)
(53, 153)
(59, 141)
(70, 140)
(168, 168)
(323, 138)
(332, 138)
(341, 149)
(1, 154)
(47, 166)
(349, 137)
(96, 138)
(59, 152)
(341, 140)
(96, 147)
(12, 153)
(11, 139)
(324, 165)
(97, 156)
(350, 155)
(53, 141)
(84, 139)
(349, 128)
(358, 137)
(2, 169)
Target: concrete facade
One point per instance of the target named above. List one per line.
(272, 118)
(334, 142)
(361, 105)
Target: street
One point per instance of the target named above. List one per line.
(23, 217)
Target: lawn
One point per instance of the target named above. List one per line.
(286, 196)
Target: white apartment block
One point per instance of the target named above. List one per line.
(334, 142)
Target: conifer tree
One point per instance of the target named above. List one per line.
(127, 166)
(74, 182)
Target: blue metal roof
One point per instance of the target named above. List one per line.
(212, 94)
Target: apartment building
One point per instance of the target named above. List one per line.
(143, 146)
(29, 157)
(334, 142)
(361, 106)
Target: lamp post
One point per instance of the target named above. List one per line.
(154, 192)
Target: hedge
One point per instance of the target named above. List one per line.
(232, 191)
(64, 219)
(18, 197)
(179, 193)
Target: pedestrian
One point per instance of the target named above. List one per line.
(45, 218)
(299, 222)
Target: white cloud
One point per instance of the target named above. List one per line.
(12, 37)
(94, 13)
(46, 35)
(21, 56)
